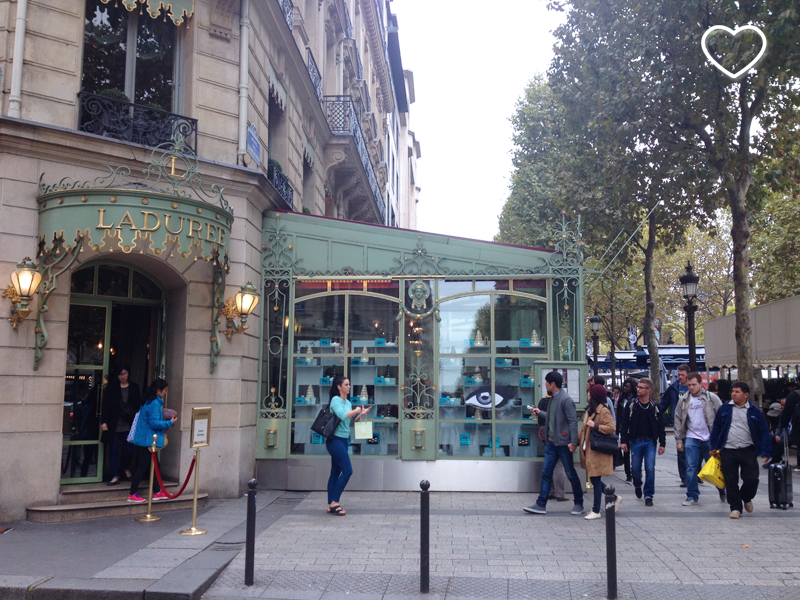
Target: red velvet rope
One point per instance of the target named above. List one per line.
(161, 483)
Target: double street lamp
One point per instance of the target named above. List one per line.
(595, 321)
(689, 282)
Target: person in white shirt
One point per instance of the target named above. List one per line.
(695, 412)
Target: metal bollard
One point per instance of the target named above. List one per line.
(611, 543)
(424, 538)
(250, 540)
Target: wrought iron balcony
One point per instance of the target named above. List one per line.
(281, 183)
(343, 120)
(287, 8)
(121, 120)
(316, 76)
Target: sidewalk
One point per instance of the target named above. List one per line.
(482, 546)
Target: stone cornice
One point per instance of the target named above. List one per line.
(378, 52)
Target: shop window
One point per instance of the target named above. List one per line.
(83, 281)
(466, 325)
(520, 325)
(112, 280)
(450, 287)
(129, 55)
(365, 350)
(306, 288)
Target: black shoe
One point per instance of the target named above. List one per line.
(683, 483)
(722, 495)
(629, 481)
(648, 502)
(638, 491)
(766, 465)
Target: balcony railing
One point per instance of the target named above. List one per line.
(281, 183)
(343, 120)
(348, 24)
(316, 76)
(121, 120)
(287, 8)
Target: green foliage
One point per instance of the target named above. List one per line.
(775, 248)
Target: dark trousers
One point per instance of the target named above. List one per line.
(553, 454)
(682, 464)
(341, 469)
(119, 446)
(142, 465)
(599, 488)
(736, 460)
(626, 463)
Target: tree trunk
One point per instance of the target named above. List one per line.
(740, 233)
(650, 309)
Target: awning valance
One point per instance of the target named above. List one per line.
(774, 338)
(177, 10)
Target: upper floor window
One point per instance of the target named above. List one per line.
(129, 53)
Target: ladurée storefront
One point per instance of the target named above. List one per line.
(252, 312)
(447, 339)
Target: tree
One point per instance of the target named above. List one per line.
(637, 73)
(775, 248)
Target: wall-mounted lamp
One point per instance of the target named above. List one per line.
(25, 281)
(241, 306)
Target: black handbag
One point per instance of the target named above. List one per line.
(605, 443)
(326, 422)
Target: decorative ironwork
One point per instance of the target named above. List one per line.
(134, 123)
(287, 8)
(418, 400)
(565, 296)
(221, 269)
(276, 306)
(348, 24)
(281, 183)
(568, 256)
(341, 114)
(177, 10)
(314, 74)
(173, 169)
(49, 285)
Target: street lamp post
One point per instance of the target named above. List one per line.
(595, 321)
(689, 282)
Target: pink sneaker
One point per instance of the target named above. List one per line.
(136, 499)
(160, 496)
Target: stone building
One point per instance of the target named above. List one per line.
(155, 165)
(296, 107)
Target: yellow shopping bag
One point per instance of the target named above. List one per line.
(712, 472)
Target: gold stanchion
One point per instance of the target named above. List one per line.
(149, 517)
(194, 530)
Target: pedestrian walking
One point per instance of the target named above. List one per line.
(597, 418)
(151, 422)
(669, 401)
(559, 475)
(789, 423)
(626, 398)
(561, 440)
(694, 419)
(739, 436)
(337, 444)
(641, 429)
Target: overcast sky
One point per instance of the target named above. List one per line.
(471, 61)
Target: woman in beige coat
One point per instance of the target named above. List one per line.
(597, 418)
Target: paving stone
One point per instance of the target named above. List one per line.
(539, 590)
(477, 587)
(295, 585)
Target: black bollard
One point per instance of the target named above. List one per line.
(611, 543)
(250, 540)
(424, 538)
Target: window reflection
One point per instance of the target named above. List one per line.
(465, 326)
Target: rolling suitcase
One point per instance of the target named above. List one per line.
(780, 480)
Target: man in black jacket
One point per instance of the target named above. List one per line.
(641, 426)
(788, 417)
(669, 401)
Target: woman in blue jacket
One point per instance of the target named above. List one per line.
(337, 444)
(150, 422)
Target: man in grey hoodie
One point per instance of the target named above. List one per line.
(561, 440)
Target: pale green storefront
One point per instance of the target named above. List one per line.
(447, 339)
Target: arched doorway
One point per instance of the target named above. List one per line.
(117, 315)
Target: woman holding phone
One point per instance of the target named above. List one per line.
(337, 444)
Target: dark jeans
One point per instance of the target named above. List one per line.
(552, 454)
(644, 451)
(626, 463)
(119, 445)
(599, 488)
(682, 464)
(734, 460)
(341, 469)
(142, 464)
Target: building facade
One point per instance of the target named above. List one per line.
(158, 157)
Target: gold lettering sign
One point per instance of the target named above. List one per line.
(147, 214)
(166, 224)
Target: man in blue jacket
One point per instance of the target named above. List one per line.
(739, 436)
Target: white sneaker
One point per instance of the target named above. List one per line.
(689, 502)
(592, 516)
(617, 502)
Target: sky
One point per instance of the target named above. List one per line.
(471, 61)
